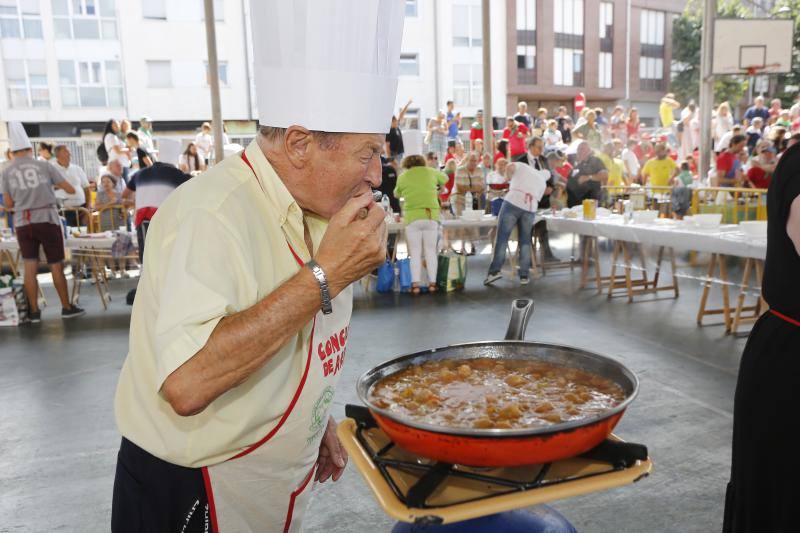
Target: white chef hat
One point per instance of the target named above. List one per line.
(327, 65)
(17, 138)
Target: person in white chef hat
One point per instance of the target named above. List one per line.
(240, 325)
(27, 187)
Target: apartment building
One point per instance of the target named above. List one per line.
(70, 65)
(610, 50)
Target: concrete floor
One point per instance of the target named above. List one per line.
(58, 440)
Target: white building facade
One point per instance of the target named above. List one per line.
(442, 58)
(70, 63)
(67, 66)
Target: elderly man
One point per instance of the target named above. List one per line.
(588, 176)
(77, 178)
(469, 178)
(115, 169)
(27, 187)
(240, 324)
(758, 109)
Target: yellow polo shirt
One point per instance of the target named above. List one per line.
(216, 246)
(614, 167)
(659, 171)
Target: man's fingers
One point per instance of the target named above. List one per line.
(354, 205)
(337, 474)
(337, 453)
(375, 217)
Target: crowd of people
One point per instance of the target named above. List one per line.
(590, 156)
(61, 193)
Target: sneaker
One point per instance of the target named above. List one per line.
(34, 318)
(72, 312)
(524, 281)
(492, 277)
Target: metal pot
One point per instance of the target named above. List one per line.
(503, 447)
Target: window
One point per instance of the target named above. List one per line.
(651, 60)
(409, 64)
(222, 69)
(27, 83)
(467, 85)
(604, 63)
(411, 8)
(605, 60)
(20, 19)
(159, 74)
(526, 41)
(467, 29)
(154, 9)
(568, 51)
(90, 83)
(84, 19)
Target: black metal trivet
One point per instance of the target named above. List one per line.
(618, 455)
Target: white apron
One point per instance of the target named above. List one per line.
(266, 488)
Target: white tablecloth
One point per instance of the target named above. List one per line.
(727, 239)
(96, 243)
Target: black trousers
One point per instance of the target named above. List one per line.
(762, 495)
(151, 495)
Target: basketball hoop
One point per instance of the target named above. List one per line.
(753, 70)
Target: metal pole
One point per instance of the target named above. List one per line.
(628, 54)
(248, 75)
(213, 79)
(488, 127)
(436, 94)
(706, 85)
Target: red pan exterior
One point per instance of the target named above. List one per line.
(498, 451)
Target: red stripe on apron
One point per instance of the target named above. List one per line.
(293, 497)
(785, 318)
(308, 359)
(291, 405)
(210, 497)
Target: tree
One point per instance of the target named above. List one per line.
(686, 33)
(792, 78)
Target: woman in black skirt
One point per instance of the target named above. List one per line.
(763, 494)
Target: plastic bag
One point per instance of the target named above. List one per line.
(9, 316)
(452, 272)
(385, 281)
(404, 274)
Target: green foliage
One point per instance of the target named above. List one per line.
(792, 78)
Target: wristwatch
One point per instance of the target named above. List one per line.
(327, 308)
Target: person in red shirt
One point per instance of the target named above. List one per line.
(729, 166)
(451, 151)
(516, 133)
(476, 130)
(447, 189)
(762, 165)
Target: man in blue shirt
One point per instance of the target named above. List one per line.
(453, 122)
(757, 110)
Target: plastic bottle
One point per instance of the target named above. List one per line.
(386, 204)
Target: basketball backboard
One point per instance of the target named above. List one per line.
(747, 46)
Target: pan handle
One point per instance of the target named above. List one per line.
(521, 311)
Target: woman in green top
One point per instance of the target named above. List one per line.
(418, 186)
